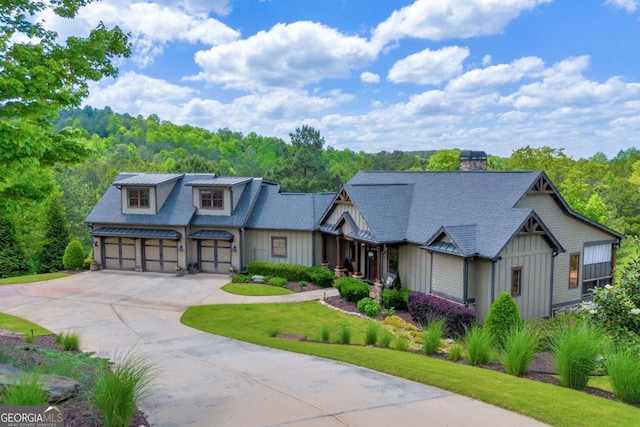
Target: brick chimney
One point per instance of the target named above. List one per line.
(473, 160)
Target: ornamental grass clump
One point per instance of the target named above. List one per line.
(576, 350)
(455, 352)
(623, 368)
(344, 334)
(117, 391)
(478, 343)
(26, 392)
(325, 333)
(402, 344)
(519, 347)
(69, 341)
(432, 336)
(371, 335)
(384, 339)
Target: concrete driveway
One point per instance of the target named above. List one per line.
(207, 380)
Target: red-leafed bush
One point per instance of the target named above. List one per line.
(424, 308)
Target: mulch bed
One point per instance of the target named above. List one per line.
(77, 411)
(540, 369)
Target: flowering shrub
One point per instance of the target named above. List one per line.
(617, 308)
(424, 308)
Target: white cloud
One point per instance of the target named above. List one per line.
(486, 60)
(288, 55)
(221, 7)
(152, 26)
(369, 77)
(429, 66)
(139, 94)
(495, 76)
(628, 5)
(443, 19)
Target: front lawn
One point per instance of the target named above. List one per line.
(18, 324)
(32, 278)
(255, 289)
(544, 402)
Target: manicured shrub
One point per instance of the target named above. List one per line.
(291, 272)
(369, 307)
(623, 368)
(432, 335)
(352, 289)
(73, 258)
(502, 316)
(478, 343)
(321, 276)
(423, 308)
(117, 392)
(27, 392)
(576, 350)
(278, 281)
(518, 350)
(241, 278)
(371, 336)
(395, 298)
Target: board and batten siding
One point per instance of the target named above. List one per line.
(448, 276)
(479, 286)
(572, 235)
(299, 246)
(535, 257)
(414, 265)
(339, 209)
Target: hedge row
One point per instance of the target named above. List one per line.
(424, 307)
(352, 289)
(292, 272)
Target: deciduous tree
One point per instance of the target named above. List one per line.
(40, 75)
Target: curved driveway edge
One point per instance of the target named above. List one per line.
(206, 380)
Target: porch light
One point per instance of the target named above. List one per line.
(95, 243)
(370, 254)
(180, 248)
(234, 249)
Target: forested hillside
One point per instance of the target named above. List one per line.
(606, 190)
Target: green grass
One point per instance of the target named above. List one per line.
(20, 325)
(255, 289)
(32, 278)
(547, 403)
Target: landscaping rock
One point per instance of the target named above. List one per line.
(58, 388)
(257, 279)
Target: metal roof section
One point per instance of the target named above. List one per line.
(212, 235)
(136, 233)
(148, 179)
(219, 181)
(443, 247)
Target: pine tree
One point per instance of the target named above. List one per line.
(12, 259)
(56, 237)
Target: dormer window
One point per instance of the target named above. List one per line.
(138, 197)
(212, 199)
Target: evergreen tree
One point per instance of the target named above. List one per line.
(73, 256)
(12, 258)
(56, 237)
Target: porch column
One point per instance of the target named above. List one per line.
(356, 269)
(340, 272)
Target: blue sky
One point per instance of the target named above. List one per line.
(491, 75)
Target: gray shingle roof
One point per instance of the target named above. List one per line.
(288, 211)
(147, 179)
(476, 209)
(177, 210)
